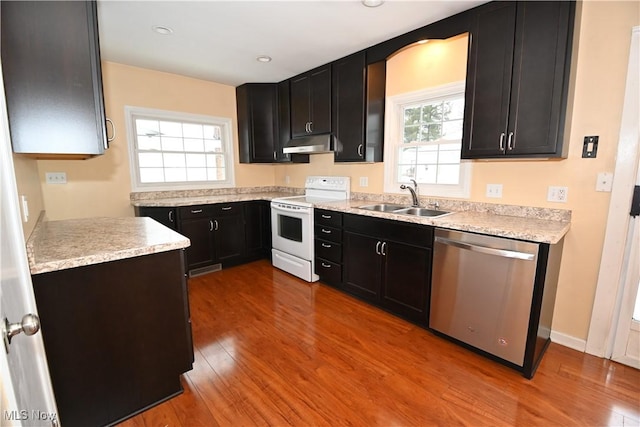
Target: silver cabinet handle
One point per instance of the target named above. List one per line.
(227, 208)
(360, 150)
(170, 216)
(505, 253)
(215, 221)
(502, 141)
(113, 133)
(275, 155)
(324, 245)
(325, 231)
(196, 211)
(378, 247)
(325, 265)
(310, 127)
(383, 248)
(326, 216)
(510, 141)
(210, 225)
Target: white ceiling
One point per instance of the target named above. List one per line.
(220, 40)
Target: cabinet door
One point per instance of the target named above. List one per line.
(406, 276)
(349, 77)
(257, 122)
(489, 81)
(320, 85)
(257, 229)
(52, 76)
(539, 81)
(362, 264)
(229, 239)
(201, 252)
(300, 98)
(165, 216)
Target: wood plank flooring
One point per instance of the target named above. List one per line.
(274, 350)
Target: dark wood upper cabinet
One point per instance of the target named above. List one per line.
(517, 80)
(258, 123)
(52, 78)
(357, 109)
(310, 100)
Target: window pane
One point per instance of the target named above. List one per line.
(147, 127)
(454, 109)
(449, 156)
(149, 160)
(190, 130)
(407, 155)
(432, 113)
(173, 160)
(412, 116)
(216, 174)
(196, 174)
(172, 144)
(431, 132)
(175, 174)
(406, 172)
(411, 134)
(452, 129)
(215, 161)
(207, 132)
(426, 174)
(196, 161)
(171, 128)
(448, 174)
(213, 146)
(149, 143)
(193, 145)
(148, 175)
(428, 154)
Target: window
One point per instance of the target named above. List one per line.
(170, 150)
(423, 141)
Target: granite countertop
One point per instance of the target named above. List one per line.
(207, 199)
(59, 245)
(541, 230)
(516, 222)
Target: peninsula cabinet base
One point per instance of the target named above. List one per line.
(117, 336)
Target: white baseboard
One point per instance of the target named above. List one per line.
(569, 341)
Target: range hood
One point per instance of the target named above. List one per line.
(309, 144)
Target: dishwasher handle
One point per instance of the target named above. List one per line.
(505, 253)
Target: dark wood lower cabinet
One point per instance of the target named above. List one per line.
(117, 336)
(362, 265)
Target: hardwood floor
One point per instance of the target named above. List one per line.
(274, 350)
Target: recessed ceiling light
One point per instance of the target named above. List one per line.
(263, 58)
(372, 3)
(423, 41)
(160, 29)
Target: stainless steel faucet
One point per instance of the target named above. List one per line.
(414, 193)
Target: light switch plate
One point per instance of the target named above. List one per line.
(56, 177)
(364, 181)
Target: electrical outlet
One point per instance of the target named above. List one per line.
(494, 191)
(25, 208)
(364, 181)
(558, 194)
(56, 177)
(604, 182)
(287, 179)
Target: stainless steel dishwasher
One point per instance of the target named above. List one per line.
(482, 290)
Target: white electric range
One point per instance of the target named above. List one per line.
(292, 224)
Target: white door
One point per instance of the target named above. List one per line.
(26, 396)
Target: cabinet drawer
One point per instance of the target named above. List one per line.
(328, 233)
(191, 212)
(329, 250)
(222, 209)
(330, 218)
(385, 229)
(328, 271)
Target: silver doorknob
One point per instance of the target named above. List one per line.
(30, 324)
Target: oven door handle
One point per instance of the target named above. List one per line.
(293, 212)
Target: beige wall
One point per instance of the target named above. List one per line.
(101, 186)
(28, 183)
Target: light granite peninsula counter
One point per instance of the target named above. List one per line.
(60, 245)
(541, 225)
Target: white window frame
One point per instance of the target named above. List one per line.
(394, 123)
(224, 123)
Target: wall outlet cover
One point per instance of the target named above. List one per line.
(604, 182)
(364, 181)
(494, 191)
(558, 194)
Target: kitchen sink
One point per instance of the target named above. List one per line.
(422, 212)
(383, 207)
(405, 210)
